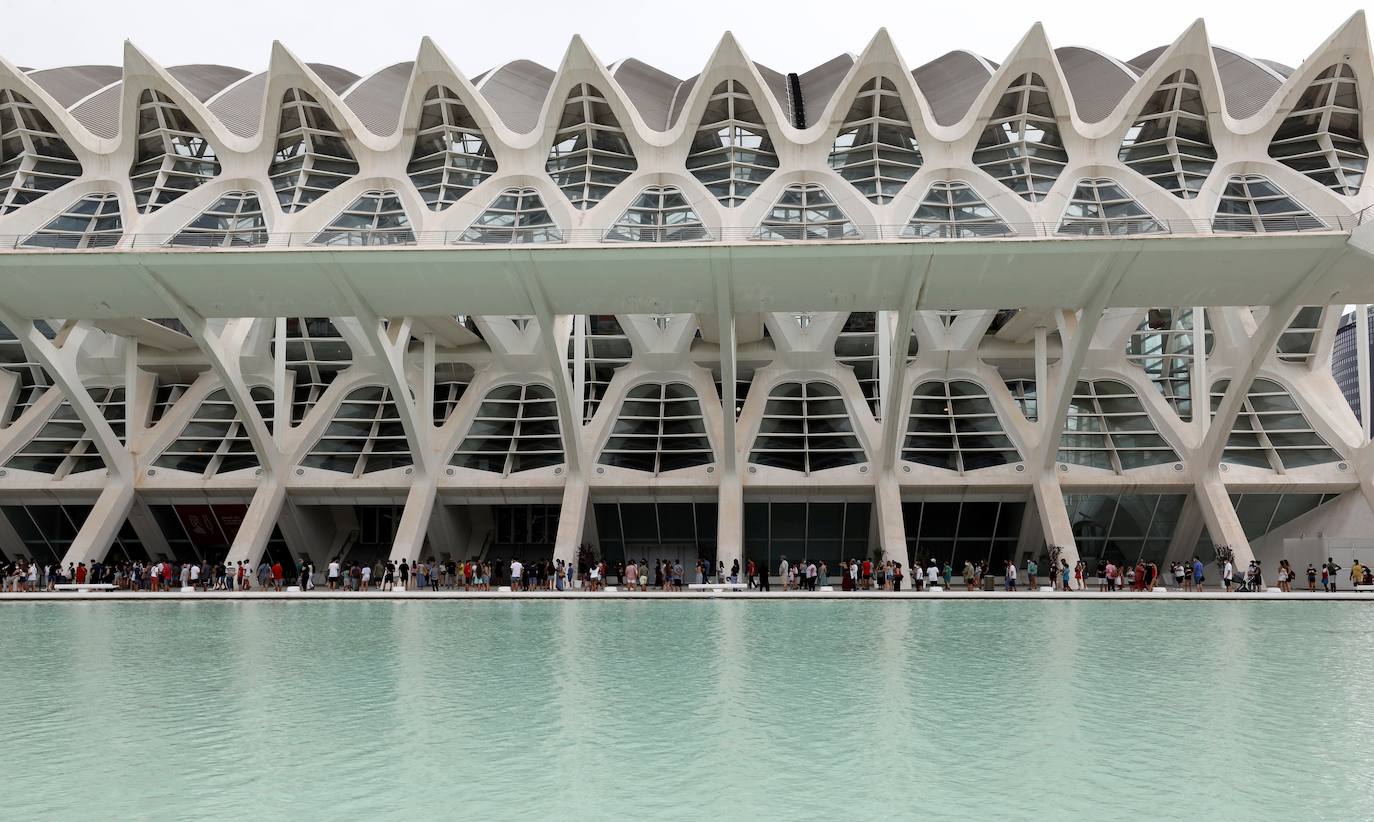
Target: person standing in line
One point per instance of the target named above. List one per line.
(276, 573)
(1228, 573)
(365, 578)
(1032, 568)
(782, 572)
(811, 573)
(631, 573)
(969, 580)
(1311, 578)
(1064, 581)
(1198, 578)
(763, 576)
(517, 570)
(1011, 575)
(1111, 576)
(1356, 573)
(389, 577)
(1332, 568)
(932, 574)
(333, 574)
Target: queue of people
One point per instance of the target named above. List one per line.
(589, 574)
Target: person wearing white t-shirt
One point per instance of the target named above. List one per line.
(516, 569)
(782, 572)
(1227, 572)
(334, 575)
(932, 575)
(1011, 575)
(195, 575)
(367, 576)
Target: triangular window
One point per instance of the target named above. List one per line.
(33, 158)
(375, 218)
(1169, 142)
(876, 148)
(312, 157)
(1021, 146)
(590, 155)
(1321, 136)
(732, 152)
(660, 214)
(451, 156)
(172, 157)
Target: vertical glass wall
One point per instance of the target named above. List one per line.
(819, 531)
(963, 531)
(677, 531)
(1128, 528)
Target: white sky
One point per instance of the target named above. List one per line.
(675, 36)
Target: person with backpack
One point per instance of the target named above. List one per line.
(1331, 569)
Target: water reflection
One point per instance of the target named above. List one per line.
(597, 710)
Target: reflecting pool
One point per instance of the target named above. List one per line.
(717, 710)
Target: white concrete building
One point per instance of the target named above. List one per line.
(970, 310)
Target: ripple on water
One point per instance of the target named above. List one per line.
(685, 710)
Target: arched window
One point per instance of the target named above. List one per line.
(516, 429)
(659, 428)
(806, 427)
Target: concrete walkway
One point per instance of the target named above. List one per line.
(321, 595)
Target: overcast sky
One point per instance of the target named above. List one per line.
(675, 36)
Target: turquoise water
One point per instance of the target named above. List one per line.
(685, 710)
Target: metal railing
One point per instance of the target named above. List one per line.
(479, 237)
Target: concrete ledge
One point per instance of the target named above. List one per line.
(791, 596)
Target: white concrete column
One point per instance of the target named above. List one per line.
(1201, 390)
(572, 517)
(1220, 517)
(730, 522)
(730, 486)
(882, 321)
(145, 526)
(102, 525)
(264, 511)
(891, 523)
(1054, 516)
(426, 392)
(1186, 533)
(414, 525)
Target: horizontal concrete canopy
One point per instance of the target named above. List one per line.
(843, 276)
